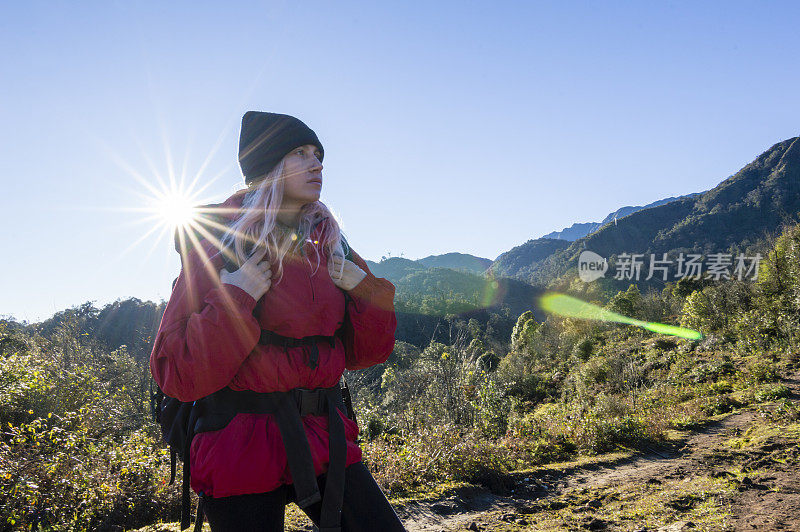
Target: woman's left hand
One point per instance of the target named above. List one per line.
(351, 274)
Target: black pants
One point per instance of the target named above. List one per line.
(364, 507)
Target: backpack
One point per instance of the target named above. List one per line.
(177, 418)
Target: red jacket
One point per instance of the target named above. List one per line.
(208, 339)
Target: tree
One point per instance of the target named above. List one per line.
(777, 295)
(698, 312)
(522, 334)
(628, 303)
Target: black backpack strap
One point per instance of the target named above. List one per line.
(185, 500)
(298, 452)
(186, 506)
(198, 521)
(173, 463)
(348, 252)
(348, 400)
(330, 518)
(218, 409)
(287, 408)
(270, 337)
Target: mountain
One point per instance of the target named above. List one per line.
(394, 268)
(580, 230)
(574, 231)
(522, 261)
(424, 296)
(457, 261)
(738, 215)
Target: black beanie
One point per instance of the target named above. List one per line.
(266, 138)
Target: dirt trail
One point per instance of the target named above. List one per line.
(770, 501)
(663, 463)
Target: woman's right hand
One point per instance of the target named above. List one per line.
(254, 276)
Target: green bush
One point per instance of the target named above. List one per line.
(533, 388)
(375, 428)
(719, 404)
(595, 371)
(719, 387)
(432, 455)
(771, 393)
(759, 372)
(77, 451)
(492, 407)
(584, 349)
(56, 475)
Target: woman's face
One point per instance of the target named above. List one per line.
(302, 173)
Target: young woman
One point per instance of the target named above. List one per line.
(265, 316)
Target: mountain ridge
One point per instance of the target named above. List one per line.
(581, 229)
(737, 214)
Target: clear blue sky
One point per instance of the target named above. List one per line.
(447, 126)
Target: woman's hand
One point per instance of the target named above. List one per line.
(345, 274)
(254, 277)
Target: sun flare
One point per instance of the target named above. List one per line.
(175, 209)
(171, 205)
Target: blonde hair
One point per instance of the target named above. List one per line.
(256, 225)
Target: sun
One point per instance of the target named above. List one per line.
(174, 209)
(173, 212)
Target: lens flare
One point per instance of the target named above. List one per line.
(571, 307)
(490, 294)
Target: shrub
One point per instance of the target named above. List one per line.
(771, 393)
(375, 428)
(718, 404)
(56, 475)
(492, 407)
(533, 387)
(719, 387)
(583, 349)
(759, 372)
(595, 371)
(433, 455)
(76, 451)
(665, 344)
